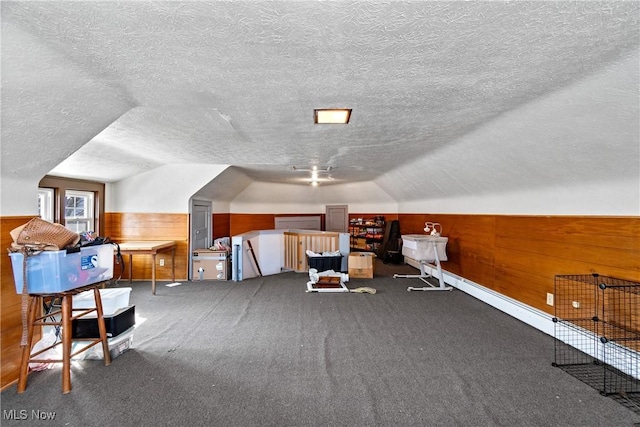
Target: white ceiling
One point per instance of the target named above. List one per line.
(107, 90)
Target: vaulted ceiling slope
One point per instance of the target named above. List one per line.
(108, 90)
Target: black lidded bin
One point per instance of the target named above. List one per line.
(117, 323)
(324, 263)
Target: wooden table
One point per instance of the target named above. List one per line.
(150, 248)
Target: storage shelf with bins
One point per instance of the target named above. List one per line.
(366, 233)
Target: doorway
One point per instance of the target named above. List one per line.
(200, 227)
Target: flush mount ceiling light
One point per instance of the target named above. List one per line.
(331, 115)
(319, 169)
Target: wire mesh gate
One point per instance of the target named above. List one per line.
(597, 331)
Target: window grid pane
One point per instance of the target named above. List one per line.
(79, 211)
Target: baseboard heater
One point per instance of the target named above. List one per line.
(527, 314)
(531, 316)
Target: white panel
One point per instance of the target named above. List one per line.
(299, 222)
(269, 250)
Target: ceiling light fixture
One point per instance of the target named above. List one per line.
(318, 169)
(331, 115)
(315, 172)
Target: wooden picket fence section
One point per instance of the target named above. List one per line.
(297, 244)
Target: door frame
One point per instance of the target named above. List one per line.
(192, 205)
(345, 208)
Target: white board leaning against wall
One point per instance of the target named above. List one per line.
(298, 222)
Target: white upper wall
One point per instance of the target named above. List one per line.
(589, 198)
(18, 196)
(260, 197)
(166, 189)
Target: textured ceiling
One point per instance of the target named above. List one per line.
(107, 90)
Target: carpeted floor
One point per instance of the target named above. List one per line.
(263, 352)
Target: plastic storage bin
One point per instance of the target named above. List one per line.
(59, 271)
(117, 323)
(324, 263)
(117, 346)
(113, 299)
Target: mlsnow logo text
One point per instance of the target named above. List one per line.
(23, 414)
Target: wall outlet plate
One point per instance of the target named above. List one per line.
(549, 298)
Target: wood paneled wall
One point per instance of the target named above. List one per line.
(122, 227)
(519, 256)
(387, 216)
(10, 306)
(242, 223)
(221, 225)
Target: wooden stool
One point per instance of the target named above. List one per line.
(35, 318)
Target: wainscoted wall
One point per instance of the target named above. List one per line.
(519, 256)
(121, 227)
(221, 225)
(10, 306)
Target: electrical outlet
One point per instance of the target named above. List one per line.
(549, 298)
(576, 304)
(161, 262)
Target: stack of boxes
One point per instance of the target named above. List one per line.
(119, 319)
(51, 272)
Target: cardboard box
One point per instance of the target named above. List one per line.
(362, 265)
(210, 265)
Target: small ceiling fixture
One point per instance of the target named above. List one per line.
(312, 169)
(331, 115)
(315, 171)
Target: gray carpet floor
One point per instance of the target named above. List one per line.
(263, 352)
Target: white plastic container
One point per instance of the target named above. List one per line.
(421, 247)
(117, 346)
(113, 299)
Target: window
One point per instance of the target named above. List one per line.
(78, 211)
(75, 203)
(45, 203)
